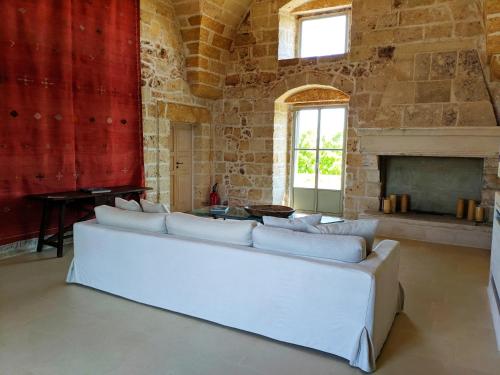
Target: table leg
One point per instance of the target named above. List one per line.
(60, 234)
(43, 225)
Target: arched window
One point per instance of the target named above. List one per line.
(309, 148)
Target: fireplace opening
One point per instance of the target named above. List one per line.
(433, 183)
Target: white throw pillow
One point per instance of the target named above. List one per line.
(343, 248)
(127, 205)
(237, 232)
(117, 217)
(365, 228)
(148, 206)
(298, 224)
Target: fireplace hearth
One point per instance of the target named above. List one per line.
(433, 183)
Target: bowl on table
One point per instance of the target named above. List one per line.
(269, 210)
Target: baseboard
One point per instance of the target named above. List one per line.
(18, 248)
(494, 299)
(24, 247)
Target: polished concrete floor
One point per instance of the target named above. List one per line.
(48, 327)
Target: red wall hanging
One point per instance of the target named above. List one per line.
(70, 107)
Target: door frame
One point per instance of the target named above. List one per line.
(172, 160)
(295, 109)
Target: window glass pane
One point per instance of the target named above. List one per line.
(330, 170)
(332, 128)
(323, 36)
(307, 128)
(305, 167)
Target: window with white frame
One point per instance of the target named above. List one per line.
(319, 147)
(324, 35)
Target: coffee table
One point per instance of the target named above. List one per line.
(239, 213)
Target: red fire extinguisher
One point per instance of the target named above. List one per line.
(214, 196)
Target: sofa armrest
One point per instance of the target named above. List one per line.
(386, 297)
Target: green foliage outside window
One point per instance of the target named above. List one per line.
(330, 162)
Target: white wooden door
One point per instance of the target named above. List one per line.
(182, 168)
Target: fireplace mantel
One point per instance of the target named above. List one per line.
(458, 142)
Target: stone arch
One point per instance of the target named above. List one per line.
(303, 80)
(318, 95)
(291, 5)
(282, 133)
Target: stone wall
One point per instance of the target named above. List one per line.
(282, 150)
(411, 64)
(492, 21)
(166, 98)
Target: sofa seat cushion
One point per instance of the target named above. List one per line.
(350, 249)
(365, 228)
(117, 217)
(236, 232)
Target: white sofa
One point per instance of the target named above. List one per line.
(346, 309)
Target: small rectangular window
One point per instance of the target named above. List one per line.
(324, 35)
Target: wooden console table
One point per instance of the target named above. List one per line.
(85, 201)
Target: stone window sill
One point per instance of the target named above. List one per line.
(312, 60)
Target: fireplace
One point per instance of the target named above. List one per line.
(449, 158)
(433, 183)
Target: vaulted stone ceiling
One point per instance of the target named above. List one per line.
(207, 28)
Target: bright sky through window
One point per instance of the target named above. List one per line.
(323, 36)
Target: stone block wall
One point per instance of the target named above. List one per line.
(287, 35)
(492, 17)
(411, 64)
(492, 20)
(438, 65)
(282, 150)
(166, 98)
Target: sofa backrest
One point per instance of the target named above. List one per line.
(365, 228)
(236, 232)
(142, 221)
(343, 248)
